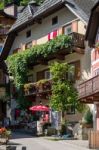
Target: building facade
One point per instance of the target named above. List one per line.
(89, 90)
(7, 18)
(38, 25)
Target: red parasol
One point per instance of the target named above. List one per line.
(39, 108)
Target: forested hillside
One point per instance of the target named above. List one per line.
(19, 2)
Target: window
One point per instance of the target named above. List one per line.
(30, 78)
(55, 20)
(71, 75)
(71, 109)
(28, 33)
(97, 72)
(68, 29)
(48, 75)
(75, 74)
(28, 45)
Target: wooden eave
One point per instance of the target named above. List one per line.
(93, 26)
(49, 11)
(89, 90)
(7, 48)
(3, 66)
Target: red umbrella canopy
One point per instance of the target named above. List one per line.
(39, 108)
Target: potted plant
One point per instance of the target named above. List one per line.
(47, 85)
(5, 135)
(32, 88)
(26, 88)
(88, 119)
(40, 85)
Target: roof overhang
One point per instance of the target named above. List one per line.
(77, 12)
(93, 25)
(48, 11)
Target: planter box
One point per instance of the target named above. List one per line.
(94, 139)
(4, 140)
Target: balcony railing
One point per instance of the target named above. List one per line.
(89, 88)
(3, 31)
(42, 86)
(78, 40)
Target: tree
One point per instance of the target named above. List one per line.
(18, 2)
(63, 92)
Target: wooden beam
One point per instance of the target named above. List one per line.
(42, 62)
(79, 50)
(60, 56)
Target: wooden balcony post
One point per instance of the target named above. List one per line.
(94, 117)
(97, 116)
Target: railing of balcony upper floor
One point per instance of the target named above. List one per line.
(3, 31)
(89, 87)
(78, 40)
(42, 86)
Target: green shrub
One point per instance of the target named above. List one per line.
(88, 117)
(63, 129)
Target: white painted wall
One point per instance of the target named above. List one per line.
(81, 27)
(41, 30)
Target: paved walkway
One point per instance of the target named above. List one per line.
(27, 142)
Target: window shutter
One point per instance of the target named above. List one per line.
(75, 26)
(77, 70)
(60, 31)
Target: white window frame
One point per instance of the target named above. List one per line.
(71, 75)
(30, 78)
(66, 29)
(46, 74)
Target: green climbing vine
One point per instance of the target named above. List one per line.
(64, 93)
(18, 63)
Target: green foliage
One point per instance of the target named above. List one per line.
(63, 92)
(18, 2)
(1, 5)
(18, 63)
(88, 117)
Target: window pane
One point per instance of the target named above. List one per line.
(68, 30)
(55, 20)
(28, 33)
(47, 75)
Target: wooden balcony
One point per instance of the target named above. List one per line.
(78, 40)
(3, 31)
(38, 88)
(89, 90)
(77, 45)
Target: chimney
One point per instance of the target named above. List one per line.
(34, 5)
(11, 9)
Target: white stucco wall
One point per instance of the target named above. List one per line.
(81, 27)
(41, 30)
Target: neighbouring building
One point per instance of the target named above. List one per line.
(89, 90)
(7, 18)
(39, 24)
